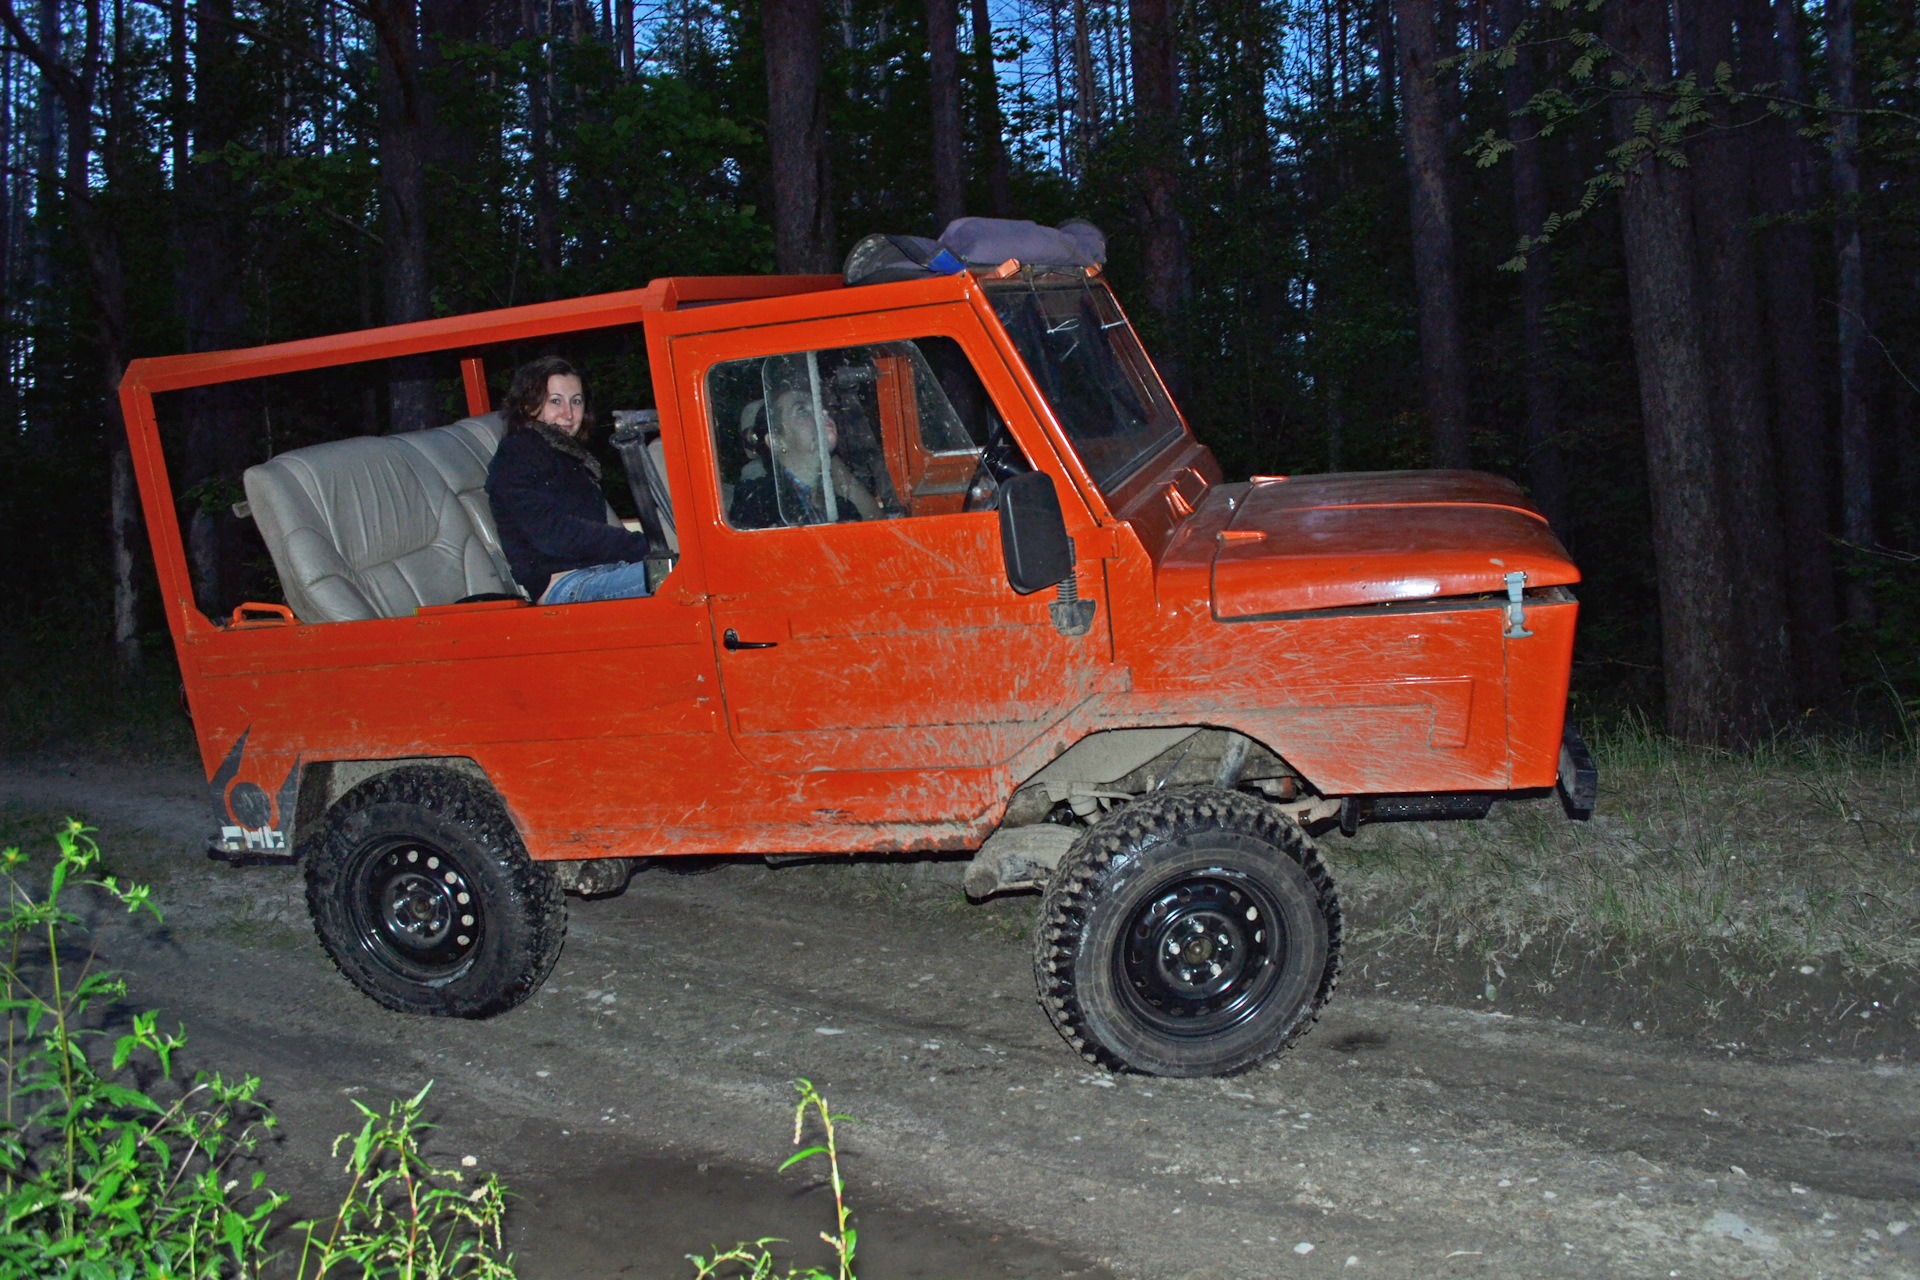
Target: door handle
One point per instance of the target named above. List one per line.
(730, 639)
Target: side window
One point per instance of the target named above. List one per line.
(965, 394)
(875, 432)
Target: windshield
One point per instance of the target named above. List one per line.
(1092, 370)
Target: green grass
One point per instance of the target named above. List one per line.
(1805, 852)
(64, 698)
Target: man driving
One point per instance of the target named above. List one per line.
(790, 492)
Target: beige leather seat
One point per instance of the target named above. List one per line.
(461, 454)
(377, 526)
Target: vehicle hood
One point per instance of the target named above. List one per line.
(1337, 541)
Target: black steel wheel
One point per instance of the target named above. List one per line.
(413, 907)
(1191, 933)
(424, 898)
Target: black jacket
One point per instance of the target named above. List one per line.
(757, 506)
(551, 514)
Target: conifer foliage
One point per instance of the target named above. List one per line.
(1657, 260)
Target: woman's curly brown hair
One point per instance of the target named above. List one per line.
(527, 393)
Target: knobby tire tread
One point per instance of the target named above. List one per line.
(464, 802)
(1130, 833)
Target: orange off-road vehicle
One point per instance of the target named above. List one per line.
(1047, 631)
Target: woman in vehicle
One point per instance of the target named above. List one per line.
(790, 491)
(544, 487)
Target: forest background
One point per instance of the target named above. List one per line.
(1660, 263)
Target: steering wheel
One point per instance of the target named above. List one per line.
(1000, 460)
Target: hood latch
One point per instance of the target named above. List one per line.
(1516, 610)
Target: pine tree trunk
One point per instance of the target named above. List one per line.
(1424, 128)
(123, 532)
(10, 211)
(1253, 172)
(101, 235)
(546, 231)
(1736, 359)
(1156, 115)
(797, 137)
(1546, 471)
(1856, 439)
(1787, 189)
(1059, 89)
(1085, 106)
(1689, 537)
(943, 64)
(1383, 33)
(47, 153)
(211, 300)
(451, 150)
(404, 119)
(992, 128)
(73, 93)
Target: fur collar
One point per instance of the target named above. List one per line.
(567, 446)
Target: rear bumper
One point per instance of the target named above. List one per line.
(1578, 782)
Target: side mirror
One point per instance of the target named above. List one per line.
(1033, 533)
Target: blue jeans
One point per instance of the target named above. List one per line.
(620, 580)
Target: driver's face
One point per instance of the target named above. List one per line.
(796, 435)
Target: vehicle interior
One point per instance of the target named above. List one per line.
(878, 418)
(382, 526)
(390, 515)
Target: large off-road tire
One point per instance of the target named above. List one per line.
(1191, 933)
(425, 899)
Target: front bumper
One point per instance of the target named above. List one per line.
(1578, 783)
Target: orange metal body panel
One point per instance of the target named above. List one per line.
(899, 644)
(1537, 670)
(910, 690)
(1325, 542)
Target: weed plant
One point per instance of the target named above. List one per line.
(754, 1261)
(101, 1179)
(403, 1217)
(1804, 852)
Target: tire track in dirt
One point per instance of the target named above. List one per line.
(1411, 1138)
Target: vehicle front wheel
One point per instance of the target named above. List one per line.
(425, 899)
(1192, 933)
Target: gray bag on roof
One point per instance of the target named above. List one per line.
(988, 242)
(977, 243)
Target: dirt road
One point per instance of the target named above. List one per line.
(640, 1101)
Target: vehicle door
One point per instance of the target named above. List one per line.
(867, 623)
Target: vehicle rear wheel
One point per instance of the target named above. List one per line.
(425, 899)
(1191, 933)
